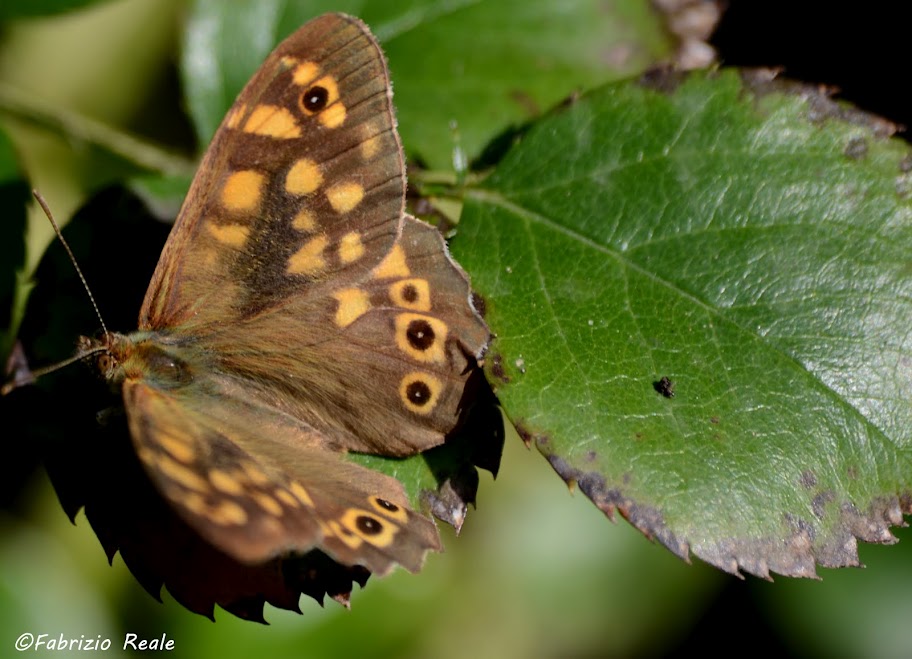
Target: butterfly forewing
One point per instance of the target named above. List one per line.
(303, 184)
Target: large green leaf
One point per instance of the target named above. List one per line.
(748, 241)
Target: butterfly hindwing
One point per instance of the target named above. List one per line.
(285, 495)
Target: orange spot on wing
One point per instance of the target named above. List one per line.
(350, 247)
(272, 121)
(309, 258)
(304, 177)
(234, 235)
(234, 115)
(304, 221)
(305, 73)
(225, 482)
(344, 197)
(436, 330)
(177, 446)
(333, 116)
(411, 294)
(227, 512)
(242, 190)
(393, 265)
(419, 392)
(353, 303)
(301, 494)
(267, 503)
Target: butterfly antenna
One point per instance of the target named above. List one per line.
(22, 375)
(85, 284)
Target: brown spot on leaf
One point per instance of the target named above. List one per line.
(665, 387)
(856, 149)
(497, 369)
(820, 501)
(808, 479)
(820, 105)
(478, 301)
(523, 433)
(663, 79)
(905, 502)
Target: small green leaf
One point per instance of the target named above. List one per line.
(162, 195)
(223, 45)
(750, 242)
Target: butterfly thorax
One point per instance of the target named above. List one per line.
(140, 355)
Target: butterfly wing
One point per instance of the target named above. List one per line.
(305, 173)
(382, 364)
(257, 485)
(292, 259)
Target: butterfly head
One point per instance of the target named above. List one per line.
(135, 356)
(107, 352)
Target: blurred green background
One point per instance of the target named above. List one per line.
(536, 572)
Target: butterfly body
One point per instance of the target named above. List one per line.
(298, 313)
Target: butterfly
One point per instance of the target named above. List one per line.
(297, 312)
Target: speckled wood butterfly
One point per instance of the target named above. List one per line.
(296, 313)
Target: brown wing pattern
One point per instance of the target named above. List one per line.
(293, 265)
(257, 486)
(303, 183)
(381, 364)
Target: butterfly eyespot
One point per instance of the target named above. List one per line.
(409, 293)
(420, 334)
(315, 99)
(383, 503)
(389, 509)
(418, 393)
(369, 525)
